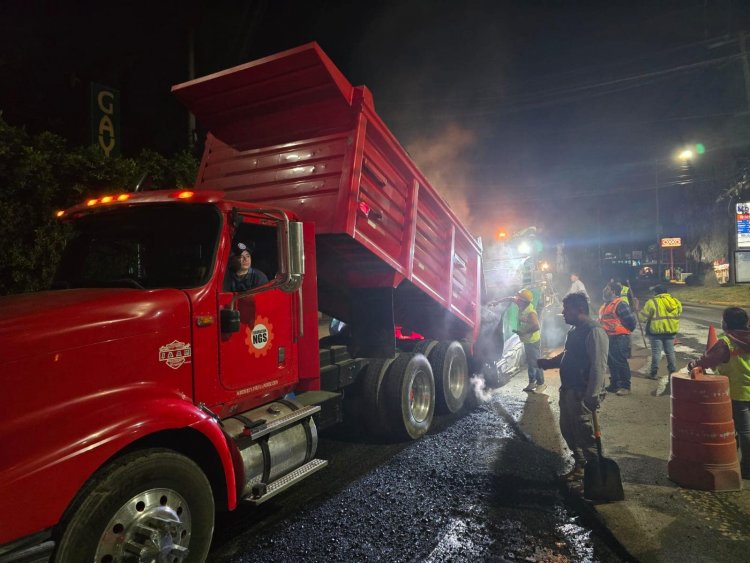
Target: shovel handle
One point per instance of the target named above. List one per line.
(597, 429)
(597, 434)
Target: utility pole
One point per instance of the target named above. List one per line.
(745, 67)
(658, 222)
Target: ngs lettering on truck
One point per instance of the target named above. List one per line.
(142, 394)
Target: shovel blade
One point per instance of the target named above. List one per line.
(602, 481)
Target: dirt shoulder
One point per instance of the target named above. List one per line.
(726, 296)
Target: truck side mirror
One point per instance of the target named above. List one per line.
(292, 263)
(230, 321)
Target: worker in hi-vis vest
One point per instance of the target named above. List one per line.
(618, 321)
(529, 331)
(661, 314)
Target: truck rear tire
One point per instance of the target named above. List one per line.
(410, 396)
(149, 505)
(374, 415)
(425, 347)
(451, 371)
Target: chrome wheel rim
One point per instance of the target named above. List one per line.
(154, 525)
(456, 379)
(420, 399)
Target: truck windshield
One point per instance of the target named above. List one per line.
(170, 245)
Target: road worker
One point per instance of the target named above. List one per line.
(618, 321)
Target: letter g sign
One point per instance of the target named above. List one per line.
(105, 122)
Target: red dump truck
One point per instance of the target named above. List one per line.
(141, 394)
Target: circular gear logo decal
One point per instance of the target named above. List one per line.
(258, 339)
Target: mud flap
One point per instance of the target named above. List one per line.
(372, 323)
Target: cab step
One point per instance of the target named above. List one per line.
(262, 491)
(258, 429)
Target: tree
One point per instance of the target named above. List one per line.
(40, 174)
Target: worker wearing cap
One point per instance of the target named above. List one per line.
(661, 314)
(241, 275)
(530, 334)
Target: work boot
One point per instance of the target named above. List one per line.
(575, 474)
(612, 388)
(623, 392)
(530, 387)
(662, 387)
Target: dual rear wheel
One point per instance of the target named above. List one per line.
(400, 396)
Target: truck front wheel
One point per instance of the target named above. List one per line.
(150, 505)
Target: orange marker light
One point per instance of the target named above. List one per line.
(185, 195)
(107, 199)
(59, 213)
(92, 202)
(123, 197)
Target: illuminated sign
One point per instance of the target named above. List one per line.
(105, 118)
(672, 242)
(742, 216)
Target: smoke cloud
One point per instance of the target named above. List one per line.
(440, 157)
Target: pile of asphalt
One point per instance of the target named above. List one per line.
(474, 489)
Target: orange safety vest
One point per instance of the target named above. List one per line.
(609, 320)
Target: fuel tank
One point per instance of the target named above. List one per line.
(277, 453)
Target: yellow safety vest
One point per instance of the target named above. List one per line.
(624, 292)
(662, 313)
(524, 324)
(737, 369)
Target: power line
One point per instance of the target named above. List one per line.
(581, 194)
(568, 95)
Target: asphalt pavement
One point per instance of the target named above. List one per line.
(658, 520)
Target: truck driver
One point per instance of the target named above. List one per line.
(241, 276)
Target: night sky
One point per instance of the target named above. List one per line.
(552, 113)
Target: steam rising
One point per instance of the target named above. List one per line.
(441, 160)
(480, 389)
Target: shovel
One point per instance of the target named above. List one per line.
(601, 477)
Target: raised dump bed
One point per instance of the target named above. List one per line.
(290, 131)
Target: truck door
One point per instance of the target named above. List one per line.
(260, 359)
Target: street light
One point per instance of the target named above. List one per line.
(686, 156)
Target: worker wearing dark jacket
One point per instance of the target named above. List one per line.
(618, 321)
(731, 357)
(661, 314)
(582, 370)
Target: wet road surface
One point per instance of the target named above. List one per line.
(474, 489)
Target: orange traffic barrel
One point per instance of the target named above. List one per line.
(704, 451)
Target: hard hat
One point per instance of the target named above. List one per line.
(526, 295)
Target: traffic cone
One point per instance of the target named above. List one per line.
(711, 337)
